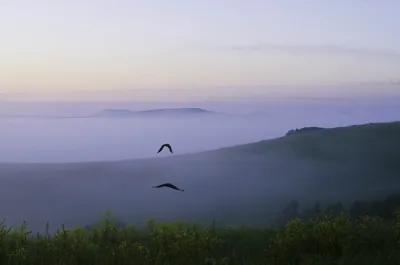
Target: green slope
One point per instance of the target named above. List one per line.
(358, 155)
(374, 148)
(332, 144)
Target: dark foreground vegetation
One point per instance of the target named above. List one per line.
(315, 237)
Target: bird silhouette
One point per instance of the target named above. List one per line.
(165, 145)
(168, 185)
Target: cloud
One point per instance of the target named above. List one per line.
(313, 49)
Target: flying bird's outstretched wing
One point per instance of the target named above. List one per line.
(165, 145)
(168, 185)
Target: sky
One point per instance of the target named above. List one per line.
(120, 49)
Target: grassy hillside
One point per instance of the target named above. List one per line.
(359, 154)
(333, 143)
(247, 183)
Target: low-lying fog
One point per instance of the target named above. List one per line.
(93, 139)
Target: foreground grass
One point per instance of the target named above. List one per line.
(323, 240)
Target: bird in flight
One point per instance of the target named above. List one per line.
(165, 145)
(168, 185)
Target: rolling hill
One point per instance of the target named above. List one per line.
(115, 113)
(240, 183)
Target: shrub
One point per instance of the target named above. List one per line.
(325, 239)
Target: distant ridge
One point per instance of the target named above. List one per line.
(305, 129)
(153, 112)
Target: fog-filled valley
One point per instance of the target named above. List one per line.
(47, 139)
(85, 166)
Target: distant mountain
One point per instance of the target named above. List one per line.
(153, 112)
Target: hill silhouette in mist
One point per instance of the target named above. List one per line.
(153, 112)
(244, 183)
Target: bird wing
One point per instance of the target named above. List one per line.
(170, 148)
(161, 148)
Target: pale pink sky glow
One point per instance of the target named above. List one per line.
(150, 49)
